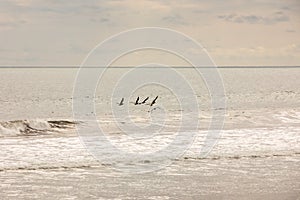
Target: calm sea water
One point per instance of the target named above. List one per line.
(261, 117)
(257, 148)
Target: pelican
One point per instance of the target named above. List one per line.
(121, 102)
(145, 100)
(137, 101)
(153, 102)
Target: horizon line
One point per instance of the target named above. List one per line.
(125, 67)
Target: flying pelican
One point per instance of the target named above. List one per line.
(145, 100)
(121, 102)
(137, 101)
(153, 102)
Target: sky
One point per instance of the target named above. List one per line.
(234, 32)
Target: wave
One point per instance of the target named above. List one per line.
(233, 157)
(34, 127)
(97, 164)
(59, 167)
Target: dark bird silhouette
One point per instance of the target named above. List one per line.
(153, 102)
(137, 101)
(121, 102)
(145, 100)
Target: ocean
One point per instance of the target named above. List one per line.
(170, 150)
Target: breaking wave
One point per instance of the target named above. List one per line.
(34, 127)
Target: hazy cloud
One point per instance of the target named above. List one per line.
(8, 22)
(255, 19)
(62, 32)
(140, 5)
(22, 2)
(290, 31)
(175, 19)
(291, 48)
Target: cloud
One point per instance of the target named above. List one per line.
(140, 5)
(75, 26)
(9, 22)
(290, 31)
(175, 19)
(22, 2)
(32, 7)
(291, 48)
(276, 17)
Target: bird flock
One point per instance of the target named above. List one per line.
(137, 101)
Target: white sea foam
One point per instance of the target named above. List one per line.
(34, 127)
(55, 152)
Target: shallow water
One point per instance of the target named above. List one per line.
(260, 137)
